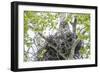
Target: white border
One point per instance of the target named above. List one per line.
(35, 64)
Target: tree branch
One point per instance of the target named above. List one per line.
(74, 22)
(73, 48)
